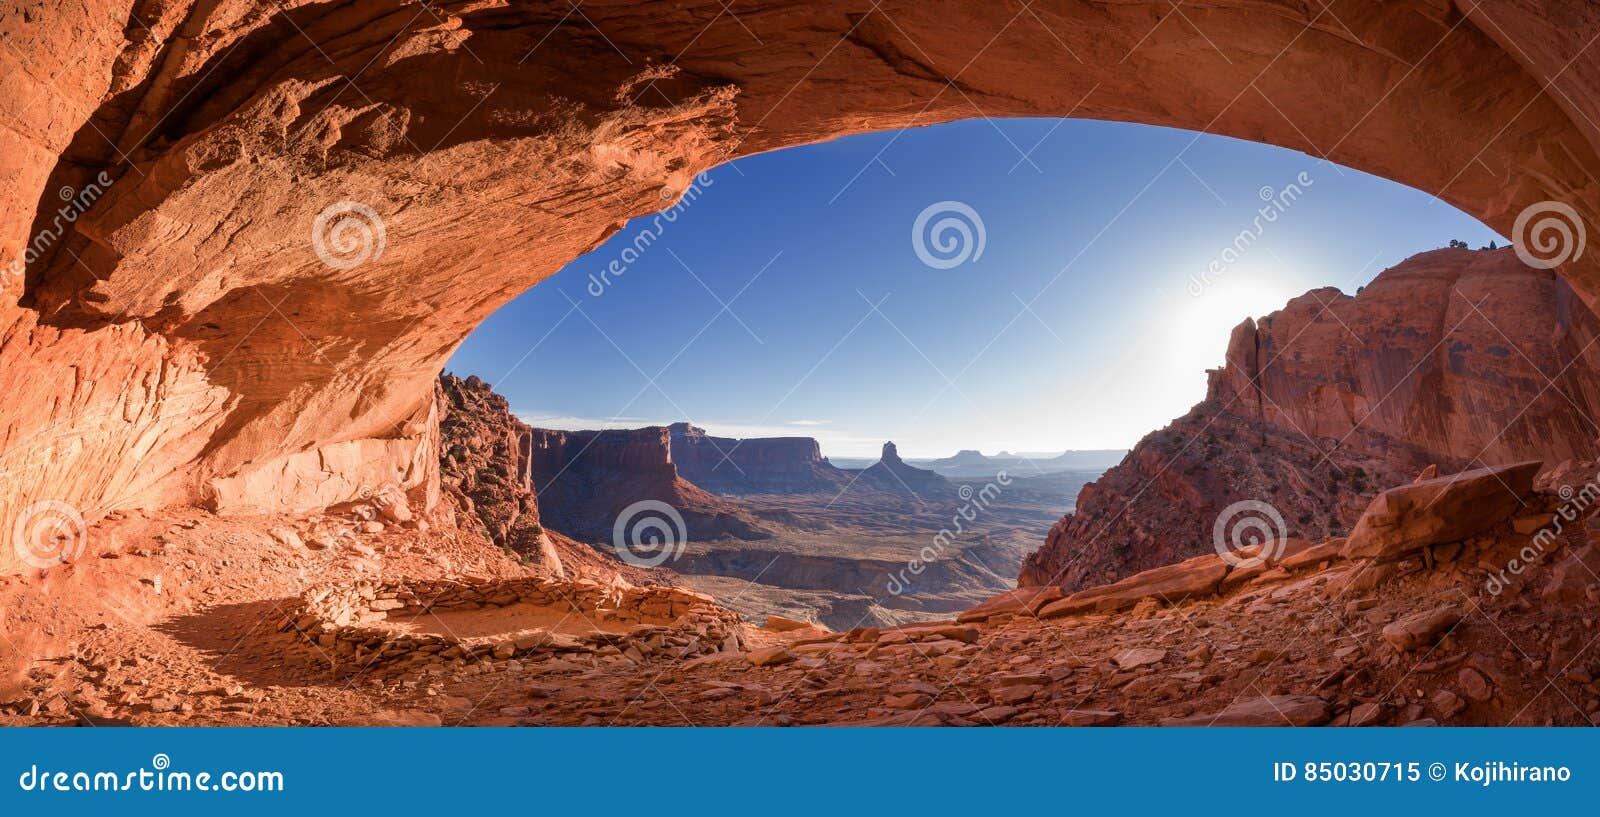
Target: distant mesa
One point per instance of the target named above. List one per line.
(760, 465)
(969, 462)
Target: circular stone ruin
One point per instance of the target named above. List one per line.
(396, 627)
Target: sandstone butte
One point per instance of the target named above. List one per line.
(181, 358)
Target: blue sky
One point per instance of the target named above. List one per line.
(789, 297)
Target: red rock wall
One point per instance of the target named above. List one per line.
(761, 465)
(1458, 358)
(494, 142)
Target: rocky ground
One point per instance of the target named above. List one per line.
(176, 620)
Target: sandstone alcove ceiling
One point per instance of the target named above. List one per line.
(170, 333)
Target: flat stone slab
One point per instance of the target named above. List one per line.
(1439, 510)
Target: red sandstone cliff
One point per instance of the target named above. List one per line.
(587, 480)
(484, 464)
(1453, 357)
(762, 465)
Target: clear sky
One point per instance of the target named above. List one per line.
(789, 297)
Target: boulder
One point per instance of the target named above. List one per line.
(1474, 685)
(1023, 600)
(1421, 629)
(1199, 576)
(771, 656)
(786, 625)
(1331, 549)
(1139, 657)
(1367, 714)
(288, 537)
(1090, 717)
(1440, 510)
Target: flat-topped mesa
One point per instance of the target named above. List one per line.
(1444, 360)
(588, 480)
(756, 465)
(643, 451)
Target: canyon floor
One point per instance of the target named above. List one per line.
(864, 557)
(190, 619)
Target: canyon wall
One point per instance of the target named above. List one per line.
(485, 460)
(1455, 358)
(761, 465)
(239, 239)
(591, 482)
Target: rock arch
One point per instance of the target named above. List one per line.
(177, 338)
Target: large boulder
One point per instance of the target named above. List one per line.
(1021, 600)
(1439, 510)
(1200, 576)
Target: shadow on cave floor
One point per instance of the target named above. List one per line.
(242, 641)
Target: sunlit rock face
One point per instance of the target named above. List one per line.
(761, 465)
(1455, 358)
(240, 239)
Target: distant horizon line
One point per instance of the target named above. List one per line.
(845, 443)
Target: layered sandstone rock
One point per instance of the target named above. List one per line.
(486, 465)
(180, 335)
(1453, 358)
(1440, 510)
(762, 465)
(597, 486)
